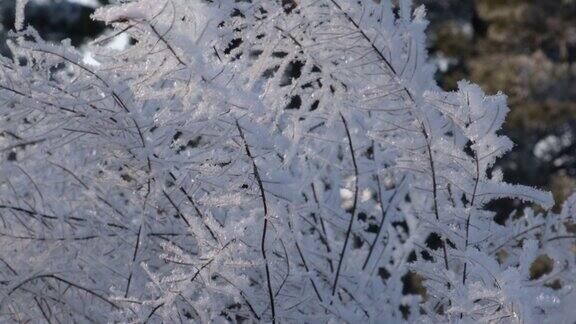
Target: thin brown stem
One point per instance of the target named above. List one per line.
(265, 227)
(52, 276)
(354, 205)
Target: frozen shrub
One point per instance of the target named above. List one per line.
(289, 161)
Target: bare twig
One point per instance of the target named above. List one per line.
(384, 214)
(52, 276)
(265, 227)
(354, 205)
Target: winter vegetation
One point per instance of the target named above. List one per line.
(263, 161)
(527, 49)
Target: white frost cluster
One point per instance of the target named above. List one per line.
(20, 16)
(264, 160)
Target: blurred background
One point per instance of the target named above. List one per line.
(524, 48)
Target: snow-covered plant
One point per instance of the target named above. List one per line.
(263, 160)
